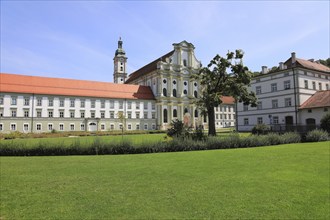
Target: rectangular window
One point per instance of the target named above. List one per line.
(1, 127)
(102, 126)
(153, 106)
(259, 105)
(112, 104)
(82, 103)
(120, 126)
(320, 86)
(129, 115)
(145, 115)
(102, 115)
(145, 126)
(61, 114)
(1, 100)
(153, 115)
(72, 127)
(274, 87)
(327, 86)
(38, 114)
(13, 127)
(129, 127)
(246, 121)
(50, 127)
(306, 84)
(82, 127)
(26, 113)
(309, 110)
(92, 114)
(38, 127)
(275, 120)
(72, 102)
(259, 120)
(145, 106)
(50, 114)
(314, 85)
(71, 114)
(137, 114)
(26, 101)
(26, 127)
(50, 102)
(13, 113)
(39, 101)
(129, 105)
(120, 104)
(82, 114)
(112, 114)
(61, 127)
(61, 102)
(112, 126)
(275, 103)
(225, 108)
(92, 103)
(13, 100)
(102, 103)
(137, 126)
(287, 102)
(229, 116)
(245, 107)
(137, 105)
(153, 127)
(287, 84)
(258, 90)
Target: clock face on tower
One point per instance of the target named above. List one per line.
(121, 59)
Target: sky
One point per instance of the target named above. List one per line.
(78, 39)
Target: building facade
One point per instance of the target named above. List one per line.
(150, 98)
(282, 92)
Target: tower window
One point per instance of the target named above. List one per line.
(165, 115)
(196, 113)
(185, 92)
(185, 110)
(185, 62)
(121, 68)
(195, 94)
(175, 113)
(174, 92)
(164, 81)
(185, 83)
(174, 82)
(164, 92)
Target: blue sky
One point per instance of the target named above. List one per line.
(78, 39)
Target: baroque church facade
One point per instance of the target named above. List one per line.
(148, 99)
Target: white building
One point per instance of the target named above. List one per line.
(282, 92)
(162, 91)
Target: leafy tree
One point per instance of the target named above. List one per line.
(224, 76)
(325, 122)
(325, 62)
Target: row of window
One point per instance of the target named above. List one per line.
(287, 85)
(287, 103)
(224, 116)
(174, 94)
(82, 103)
(273, 120)
(50, 127)
(82, 114)
(224, 109)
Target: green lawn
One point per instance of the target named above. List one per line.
(278, 182)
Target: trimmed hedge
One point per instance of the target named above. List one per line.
(99, 147)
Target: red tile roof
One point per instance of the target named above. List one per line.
(69, 87)
(147, 68)
(317, 100)
(308, 64)
(227, 100)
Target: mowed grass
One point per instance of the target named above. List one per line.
(278, 182)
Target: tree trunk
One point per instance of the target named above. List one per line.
(210, 114)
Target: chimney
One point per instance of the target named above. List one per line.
(264, 69)
(281, 66)
(293, 57)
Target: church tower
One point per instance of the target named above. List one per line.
(119, 61)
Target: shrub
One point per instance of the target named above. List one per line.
(325, 123)
(317, 135)
(260, 129)
(290, 137)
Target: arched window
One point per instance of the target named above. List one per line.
(174, 92)
(175, 113)
(164, 92)
(121, 68)
(195, 94)
(196, 113)
(185, 62)
(185, 92)
(185, 110)
(165, 115)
